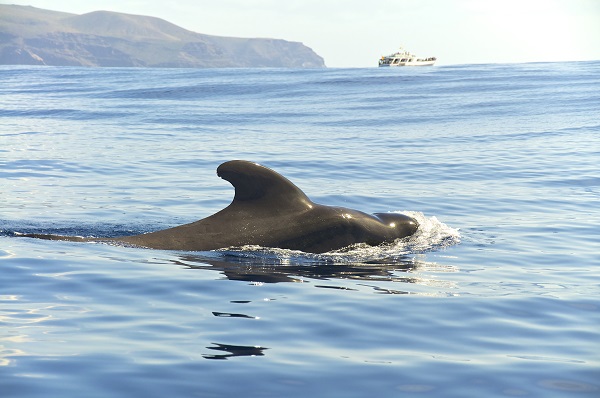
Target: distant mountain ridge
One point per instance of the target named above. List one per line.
(33, 36)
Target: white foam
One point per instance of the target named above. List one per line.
(431, 235)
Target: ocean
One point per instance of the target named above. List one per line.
(496, 295)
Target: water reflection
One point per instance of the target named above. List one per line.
(235, 351)
(261, 267)
(232, 315)
(7, 354)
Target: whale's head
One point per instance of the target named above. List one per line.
(402, 224)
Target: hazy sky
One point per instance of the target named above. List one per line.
(355, 33)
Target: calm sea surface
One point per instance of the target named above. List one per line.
(498, 294)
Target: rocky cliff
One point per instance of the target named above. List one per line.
(32, 36)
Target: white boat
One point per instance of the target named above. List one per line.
(405, 58)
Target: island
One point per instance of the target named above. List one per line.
(34, 36)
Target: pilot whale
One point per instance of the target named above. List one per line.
(270, 211)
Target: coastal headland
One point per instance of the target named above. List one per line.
(34, 36)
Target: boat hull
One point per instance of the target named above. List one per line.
(414, 63)
(405, 58)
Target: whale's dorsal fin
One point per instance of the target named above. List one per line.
(253, 183)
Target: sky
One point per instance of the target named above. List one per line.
(356, 33)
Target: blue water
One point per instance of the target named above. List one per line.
(498, 294)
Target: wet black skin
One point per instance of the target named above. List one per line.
(270, 211)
